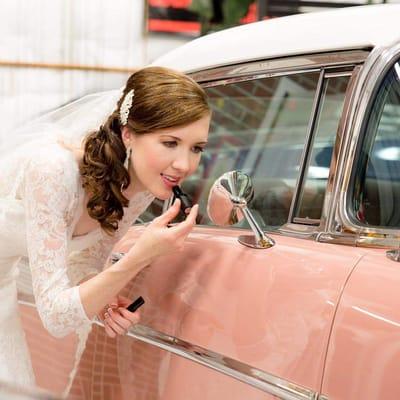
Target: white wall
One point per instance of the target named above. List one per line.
(97, 33)
(158, 44)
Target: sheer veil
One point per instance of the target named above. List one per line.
(70, 123)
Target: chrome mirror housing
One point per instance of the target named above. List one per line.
(227, 205)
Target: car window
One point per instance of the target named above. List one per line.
(317, 165)
(376, 183)
(260, 127)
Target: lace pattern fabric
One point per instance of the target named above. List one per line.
(40, 202)
(52, 195)
(15, 363)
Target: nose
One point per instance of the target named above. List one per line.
(182, 162)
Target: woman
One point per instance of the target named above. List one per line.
(64, 208)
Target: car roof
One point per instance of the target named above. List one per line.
(341, 29)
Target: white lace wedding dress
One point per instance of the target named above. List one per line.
(41, 200)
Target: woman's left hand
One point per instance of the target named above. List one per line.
(117, 319)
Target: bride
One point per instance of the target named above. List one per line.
(67, 195)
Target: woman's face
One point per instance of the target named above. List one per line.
(164, 158)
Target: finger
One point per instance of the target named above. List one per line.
(115, 327)
(120, 320)
(113, 333)
(124, 301)
(169, 215)
(133, 317)
(109, 331)
(113, 303)
(192, 214)
(183, 228)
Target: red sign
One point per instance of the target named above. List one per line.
(176, 16)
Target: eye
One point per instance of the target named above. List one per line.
(170, 143)
(198, 149)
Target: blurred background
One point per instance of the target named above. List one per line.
(54, 51)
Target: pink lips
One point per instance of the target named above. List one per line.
(168, 183)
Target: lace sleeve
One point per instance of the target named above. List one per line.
(49, 195)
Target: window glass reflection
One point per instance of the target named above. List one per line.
(317, 171)
(376, 195)
(259, 127)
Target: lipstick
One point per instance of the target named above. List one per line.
(186, 201)
(136, 304)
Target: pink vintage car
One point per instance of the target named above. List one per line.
(289, 286)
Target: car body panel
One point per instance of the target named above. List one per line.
(53, 359)
(246, 303)
(364, 351)
(360, 27)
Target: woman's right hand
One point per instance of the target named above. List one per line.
(158, 239)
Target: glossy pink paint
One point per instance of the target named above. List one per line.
(52, 358)
(272, 309)
(364, 354)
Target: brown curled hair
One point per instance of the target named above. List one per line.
(163, 98)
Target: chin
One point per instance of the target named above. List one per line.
(161, 194)
(163, 198)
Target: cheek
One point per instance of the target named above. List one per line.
(151, 158)
(194, 164)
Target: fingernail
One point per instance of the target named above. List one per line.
(109, 310)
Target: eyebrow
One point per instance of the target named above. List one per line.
(179, 139)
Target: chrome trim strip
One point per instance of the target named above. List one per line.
(337, 238)
(306, 221)
(302, 231)
(260, 75)
(335, 169)
(380, 240)
(285, 64)
(245, 373)
(257, 378)
(393, 255)
(337, 74)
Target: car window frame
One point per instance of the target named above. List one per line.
(347, 62)
(342, 228)
(342, 63)
(325, 75)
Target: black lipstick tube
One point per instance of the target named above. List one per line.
(136, 304)
(186, 201)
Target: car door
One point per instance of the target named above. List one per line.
(262, 316)
(364, 354)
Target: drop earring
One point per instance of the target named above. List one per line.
(128, 157)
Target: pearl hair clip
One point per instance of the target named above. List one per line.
(125, 107)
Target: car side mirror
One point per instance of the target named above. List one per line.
(227, 205)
